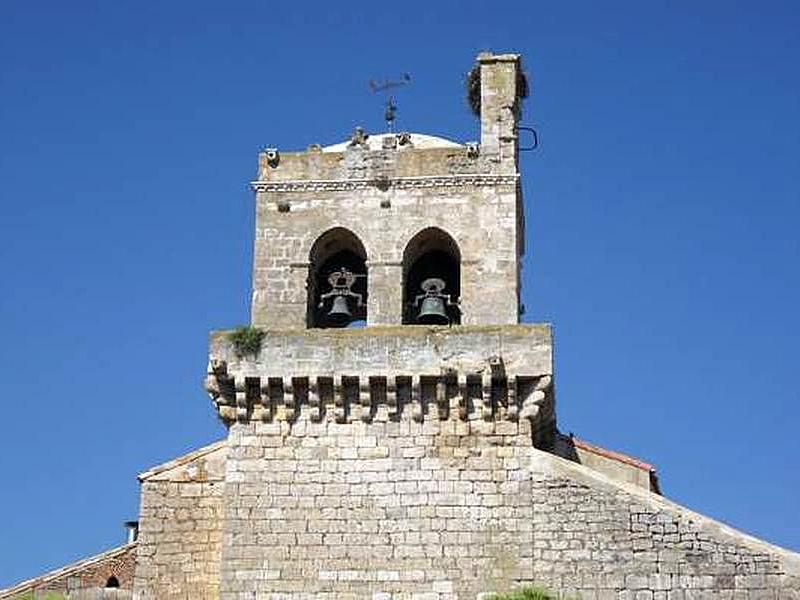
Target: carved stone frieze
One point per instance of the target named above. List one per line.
(403, 183)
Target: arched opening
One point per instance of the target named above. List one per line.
(112, 582)
(431, 279)
(337, 281)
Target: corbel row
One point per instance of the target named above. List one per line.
(487, 396)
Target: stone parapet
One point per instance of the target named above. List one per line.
(357, 163)
(488, 373)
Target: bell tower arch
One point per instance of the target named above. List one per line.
(337, 280)
(431, 279)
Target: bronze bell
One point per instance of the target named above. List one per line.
(432, 311)
(340, 311)
(341, 282)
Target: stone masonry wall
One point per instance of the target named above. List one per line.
(329, 510)
(385, 221)
(387, 195)
(605, 539)
(180, 528)
(85, 579)
(446, 509)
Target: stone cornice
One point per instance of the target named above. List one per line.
(346, 398)
(348, 185)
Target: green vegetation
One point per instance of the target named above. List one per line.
(246, 340)
(525, 593)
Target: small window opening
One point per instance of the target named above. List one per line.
(112, 582)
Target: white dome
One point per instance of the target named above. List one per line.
(418, 140)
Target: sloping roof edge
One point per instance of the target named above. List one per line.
(40, 580)
(181, 460)
(581, 472)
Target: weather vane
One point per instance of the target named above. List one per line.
(390, 114)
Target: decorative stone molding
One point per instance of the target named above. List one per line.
(349, 398)
(349, 185)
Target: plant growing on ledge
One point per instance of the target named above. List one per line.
(525, 593)
(246, 340)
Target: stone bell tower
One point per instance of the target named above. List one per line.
(342, 438)
(391, 431)
(396, 209)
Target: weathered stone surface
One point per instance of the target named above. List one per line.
(408, 463)
(413, 350)
(413, 463)
(387, 196)
(491, 373)
(86, 579)
(180, 527)
(451, 510)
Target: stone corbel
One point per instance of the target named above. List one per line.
(240, 385)
(532, 405)
(463, 399)
(289, 400)
(339, 400)
(416, 399)
(220, 388)
(441, 398)
(365, 399)
(513, 402)
(267, 412)
(391, 397)
(486, 396)
(314, 400)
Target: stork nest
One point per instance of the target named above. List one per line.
(473, 83)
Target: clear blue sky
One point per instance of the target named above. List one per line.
(662, 208)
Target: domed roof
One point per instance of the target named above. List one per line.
(418, 140)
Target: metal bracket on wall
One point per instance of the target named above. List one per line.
(535, 135)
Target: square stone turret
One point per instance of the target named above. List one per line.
(418, 240)
(385, 335)
(387, 200)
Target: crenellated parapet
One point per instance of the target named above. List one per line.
(469, 374)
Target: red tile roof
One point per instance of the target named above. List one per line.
(623, 458)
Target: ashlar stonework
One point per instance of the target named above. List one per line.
(417, 457)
